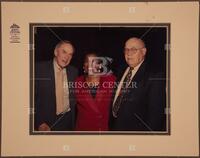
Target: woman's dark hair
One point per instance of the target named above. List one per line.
(87, 53)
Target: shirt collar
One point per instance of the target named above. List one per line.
(56, 66)
(137, 67)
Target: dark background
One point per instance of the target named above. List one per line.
(107, 41)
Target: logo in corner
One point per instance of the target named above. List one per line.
(14, 33)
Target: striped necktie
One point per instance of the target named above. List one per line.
(123, 91)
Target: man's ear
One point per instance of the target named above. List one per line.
(144, 50)
(55, 52)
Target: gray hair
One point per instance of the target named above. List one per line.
(64, 42)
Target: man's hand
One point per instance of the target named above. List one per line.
(44, 127)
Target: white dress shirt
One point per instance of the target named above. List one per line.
(123, 77)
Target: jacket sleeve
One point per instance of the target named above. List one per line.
(156, 103)
(39, 108)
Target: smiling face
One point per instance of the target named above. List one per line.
(134, 51)
(63, 54)
(87, 66)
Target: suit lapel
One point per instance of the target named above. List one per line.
(139, 76)
(52, 76)
(68, 72)
(119, 77)
(140, 73)
(51, 85)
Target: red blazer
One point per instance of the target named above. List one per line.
(93, 113)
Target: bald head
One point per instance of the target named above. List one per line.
(134, 51)
(137, 41)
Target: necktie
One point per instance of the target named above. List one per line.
(59, 92)
(123, 91)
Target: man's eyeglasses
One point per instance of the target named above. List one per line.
(132, 50)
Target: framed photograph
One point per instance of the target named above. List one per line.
(107, 78)
(102, 40)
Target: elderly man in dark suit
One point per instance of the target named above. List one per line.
(54, 98)
(139, 101)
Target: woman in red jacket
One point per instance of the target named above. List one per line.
(93, 93)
